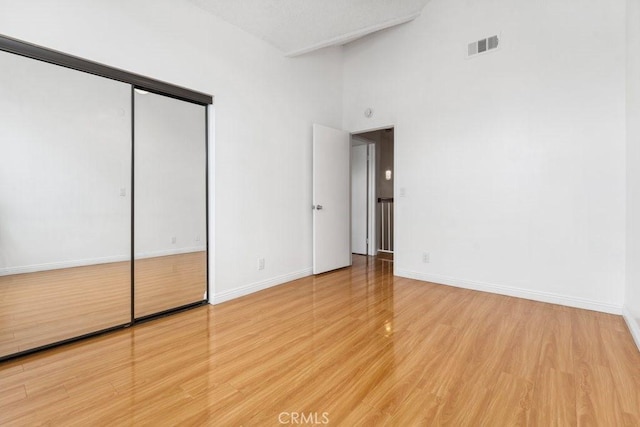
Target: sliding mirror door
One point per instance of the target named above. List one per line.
(170, 232)
(65, 210)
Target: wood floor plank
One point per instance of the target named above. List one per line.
(359, 345)
(510, 402)
(13, 394)
(554, 399)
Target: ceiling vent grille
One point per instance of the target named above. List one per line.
(482, 46)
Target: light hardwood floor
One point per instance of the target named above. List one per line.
(357, 345)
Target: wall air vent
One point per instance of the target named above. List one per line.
(482, 46)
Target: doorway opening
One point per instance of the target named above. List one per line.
(372, 205)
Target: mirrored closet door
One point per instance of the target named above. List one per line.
(103, 198)
(170, 226)
(65, 208)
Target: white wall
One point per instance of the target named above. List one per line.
(513, 162)
(632, 298)
(265, 106)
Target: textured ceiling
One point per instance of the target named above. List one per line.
(300, 26)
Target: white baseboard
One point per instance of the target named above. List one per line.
(513, 292)
(33, 268)
(219, 297)
(633, 325)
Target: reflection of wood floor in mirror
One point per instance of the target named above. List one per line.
(48, 306)
(170, 281)
(41, 308)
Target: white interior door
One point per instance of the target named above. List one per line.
(331, 199)
(359, 189)
(373, 248)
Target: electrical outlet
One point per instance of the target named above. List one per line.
(425, 257)
(173, 239)
(260, 263)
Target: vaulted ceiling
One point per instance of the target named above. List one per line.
(300, 26)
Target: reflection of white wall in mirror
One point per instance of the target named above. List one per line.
(64, 165)
(170, 176)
